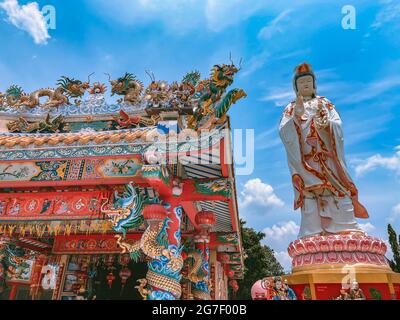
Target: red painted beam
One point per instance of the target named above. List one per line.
(224, 162)
(191, 211)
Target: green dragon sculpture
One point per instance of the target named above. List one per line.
(67, 88)
(21, 125)
(165, 262)
(212, 102)
(183, 93)
(127, 86)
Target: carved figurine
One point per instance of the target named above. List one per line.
(343, 295)
(356, 293)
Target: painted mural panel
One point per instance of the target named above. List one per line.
(66, 170)
(51, 206)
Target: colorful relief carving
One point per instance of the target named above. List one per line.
(54, 228)
(229, 257)
(82, 244)
(216, 187)
(163, 277)
(121, 168)
(42, 126)
(15, 262)
(156, 171)
(199, 273)
(126, 211)
(228, 238)
(59, 170)
(50, 206)
(338, 249)
(124, 120)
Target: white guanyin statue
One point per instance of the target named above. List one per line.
(311, 130)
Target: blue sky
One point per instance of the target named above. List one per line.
(356, 69)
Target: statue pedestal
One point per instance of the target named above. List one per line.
(322, 265)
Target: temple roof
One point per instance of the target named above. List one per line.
(77, 138)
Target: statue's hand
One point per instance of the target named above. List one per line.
(321, 117)
(299, 108)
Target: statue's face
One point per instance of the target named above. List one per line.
(305, 86)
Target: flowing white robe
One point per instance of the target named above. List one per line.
(323, 188)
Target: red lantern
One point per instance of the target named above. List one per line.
(205, 219)
(110, 279)
(230, 273)
(184, 255)
(233, 283)
(154, 212)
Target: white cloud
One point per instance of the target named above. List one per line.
(255, 192)
(255, 63)
(221, 14)
(367, 227)
(372, 89)
(284, 259)
(267, 139)
(280, 97)
(390, 163)
(28, 18)
(178, 16)
(279, 236)
(181, 16)
(390, 13)
(275, 26)
(282, 231)
(395, 215)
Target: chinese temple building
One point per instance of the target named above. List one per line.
(133, 199)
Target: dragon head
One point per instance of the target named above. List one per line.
(222, 75)
(121, 85)
(126, 211)
(14, 91)
(73, 88)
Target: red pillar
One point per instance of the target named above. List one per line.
(13, 292)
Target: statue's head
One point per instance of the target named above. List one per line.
(304, 80)
(355, 285)
(278, 283)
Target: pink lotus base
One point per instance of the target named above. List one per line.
(338, 249)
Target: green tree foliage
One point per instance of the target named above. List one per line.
(394, 244)
(259, 261)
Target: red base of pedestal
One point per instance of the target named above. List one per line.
(323, 265)
(330, 291)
